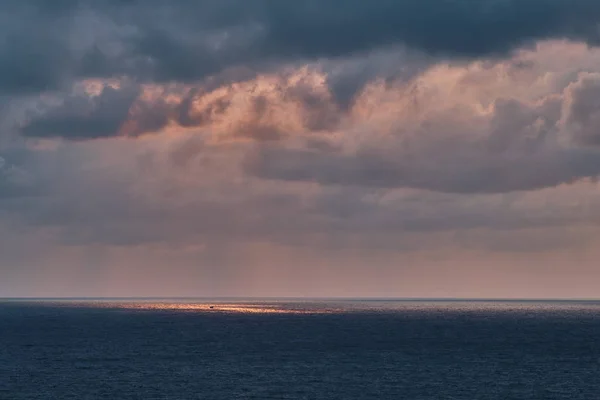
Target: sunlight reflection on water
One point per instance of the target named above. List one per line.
(229, 308)
(337, 306)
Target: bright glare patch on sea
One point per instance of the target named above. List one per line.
(334, 306)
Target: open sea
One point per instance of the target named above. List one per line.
(218, 349)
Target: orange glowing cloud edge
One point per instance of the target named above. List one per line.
(299, 104)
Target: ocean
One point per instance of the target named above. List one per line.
(283, 349)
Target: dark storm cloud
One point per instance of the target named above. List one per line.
(462, 27)
(326, 28)
(49, 43)
(85, 117)
(34, 50)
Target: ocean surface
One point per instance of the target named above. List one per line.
(217, 349)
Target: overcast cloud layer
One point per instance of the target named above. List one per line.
(385, 148)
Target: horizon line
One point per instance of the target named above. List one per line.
(302, 298)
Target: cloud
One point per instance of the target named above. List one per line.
(452, 128)
(15, 182)
(266, 108)
(156, 41)
(582, 111)
(437, 133)
(183, 201)
(241, 135)
(84, 116)
(107, 193)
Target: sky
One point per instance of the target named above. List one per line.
(280, 148)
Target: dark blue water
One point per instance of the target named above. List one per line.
(303, 350)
